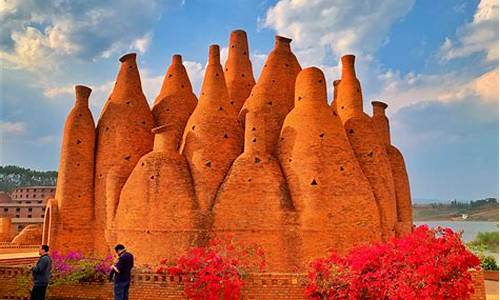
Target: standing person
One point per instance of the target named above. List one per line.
(41, 274)
(121, 272)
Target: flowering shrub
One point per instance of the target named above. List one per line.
(216, 271)
(488, 262)
(427, 264)
(72, 267)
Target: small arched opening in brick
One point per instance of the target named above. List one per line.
(314, 182)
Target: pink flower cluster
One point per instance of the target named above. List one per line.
(74, 264)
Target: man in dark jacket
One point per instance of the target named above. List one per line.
(121, 272)
(41, 274)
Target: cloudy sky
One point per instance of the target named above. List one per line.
(434, 62)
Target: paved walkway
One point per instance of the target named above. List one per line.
(491, 289)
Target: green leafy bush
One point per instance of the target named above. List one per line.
(488, 239)
(489, 263)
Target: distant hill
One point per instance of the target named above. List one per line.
(427, 201)
(12, 177)
(476, 210)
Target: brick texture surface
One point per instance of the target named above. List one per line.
(75, 181)
(286, 171)
(258, 286)
(123, 137)
(369, 148)
(238, 70)
(272, 96)
(212, 138)
(336, 204)
(5, 229)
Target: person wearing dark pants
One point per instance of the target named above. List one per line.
(121, 272)
(41, 274)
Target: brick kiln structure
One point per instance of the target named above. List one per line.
(269, 162)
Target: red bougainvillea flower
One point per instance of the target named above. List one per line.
(216, 271)
(427, 264)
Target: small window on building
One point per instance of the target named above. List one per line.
(39, 202)
(30, 209)
(28, 201)
(17, 216)
(43, 216)
(26, 196)
(5, 209)
(34, 195)
(29, 216)
(18, 209)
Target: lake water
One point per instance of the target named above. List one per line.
(469, 228)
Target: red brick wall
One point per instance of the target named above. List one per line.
(151, 286)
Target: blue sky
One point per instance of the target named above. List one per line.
(434, 62)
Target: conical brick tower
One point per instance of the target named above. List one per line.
(367, 146)
(176, 101)
(157, 204)
(254, 203)
(238, 70)
(347, 91)
(213, 138)
(272, 96)
(399, 174)
(123, 137)
(75, 179)
(327, 185)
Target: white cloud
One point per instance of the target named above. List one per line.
(35, 31)
(142, 44)
(405, 90)
(324, 30)
(478, 36)
(195, 72)
(340, 26)
(31, 48)
(13, 128)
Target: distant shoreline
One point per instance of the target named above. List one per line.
(445, 212)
